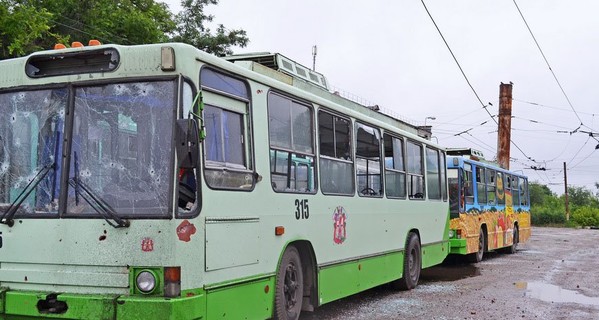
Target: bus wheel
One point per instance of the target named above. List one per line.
(412, 264)
(514, 247)
(290, 286)
(478, 256)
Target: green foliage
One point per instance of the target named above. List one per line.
(586, 216)
(22, 26)
(551, 211)
(538, 193)
(192, 29)
(31, 25)
(581, 197)
(547, 208)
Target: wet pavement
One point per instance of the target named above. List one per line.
(553, 276)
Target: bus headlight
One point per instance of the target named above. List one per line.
(146, 281)
(451, 233)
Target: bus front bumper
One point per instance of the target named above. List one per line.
(458, 246)
(38, 305)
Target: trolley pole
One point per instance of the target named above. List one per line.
(505, 125)
(566, 192)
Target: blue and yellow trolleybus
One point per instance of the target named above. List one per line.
(161, 182)
(490, 206)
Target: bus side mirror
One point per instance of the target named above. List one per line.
(188, 141)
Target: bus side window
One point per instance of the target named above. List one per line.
(291, 145)
(395, 175)
(523, 192)
(515, 192)
(481, 187)
(415, 171)
(468, 185)
(368, 161)
(500, 191)
(187, 177)
(227, 146)
(432, 174)
(336, 164)
(490, 187)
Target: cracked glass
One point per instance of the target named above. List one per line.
(121, 151)
(31, 133)
(120, 156)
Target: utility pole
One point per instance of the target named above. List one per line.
(505, 125)
(566, 192)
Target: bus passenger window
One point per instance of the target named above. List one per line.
(291, 145)
(500, 191)
(515, 192)
(225, 148)
(395, 175)
(490, 187)
(336, 163)
(468, 185)
(432, 174)
(481, 190)
(368, 161)
(415, 171)
(523, 192)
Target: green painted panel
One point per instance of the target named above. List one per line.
(251, 300)
(379, 270)
(21, 305)
(434, 254)
(336, 282)
(458, 246)
(342, 280)
(192, 306)
(79, 306)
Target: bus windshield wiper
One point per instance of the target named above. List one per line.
(7, 217)
(98, 204)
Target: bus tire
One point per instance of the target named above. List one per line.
(478, 256)
(514, 247)
(290, 286)
(412, 264)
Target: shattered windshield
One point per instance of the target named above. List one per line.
(121, 147)
(120, 151)
(31, 130)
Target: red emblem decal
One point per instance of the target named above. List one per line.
(339, 231)
(147, 245)
(185, 230)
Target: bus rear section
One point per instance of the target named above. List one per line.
(489, 208)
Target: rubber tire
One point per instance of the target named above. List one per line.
(479, 255)
(289, 291)
(514, 247)
(412, 264)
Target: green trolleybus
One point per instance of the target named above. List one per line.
(161, 182)
(489, 206)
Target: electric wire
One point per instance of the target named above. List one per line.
(548, 65)
(466, 78)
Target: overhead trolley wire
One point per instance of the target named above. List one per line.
(549, 66)
(467, 80)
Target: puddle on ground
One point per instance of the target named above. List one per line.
(552, 293)
(450, 272)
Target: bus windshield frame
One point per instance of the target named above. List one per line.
(113, 137)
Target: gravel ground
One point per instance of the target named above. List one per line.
(555, 275)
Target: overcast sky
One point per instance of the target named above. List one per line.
(389, 53)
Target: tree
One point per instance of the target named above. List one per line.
(538, 193)
(31, 25)
(581, 197)
(22, 26)
(192, 29)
